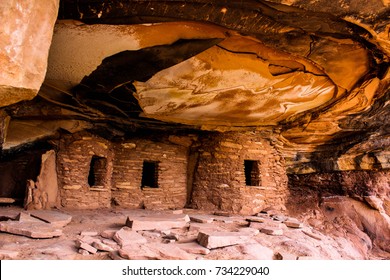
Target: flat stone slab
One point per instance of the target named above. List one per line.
(126, 236)
(212, 240)
(55, 218)
(194, 248)
(8, 214)
(206, 219)
(279, 218)
(158, 222)
(30, 229)
(137, 252)
(102, 247)
(293, 223)
(8, 254)
(26, 218)
(109, 233)
(255, 219)
(85, 246)
(272, 231)
(6, 200)
(170, 252)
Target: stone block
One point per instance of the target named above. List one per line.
(101, 246)
(83, 252)
(160, 222)
(255, 219)
(85, 246)
(201, 219)
(109, 233)
(293, 223)
(212, 240)
(125, 236)
(30, 229)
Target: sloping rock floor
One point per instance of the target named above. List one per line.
(185, 234)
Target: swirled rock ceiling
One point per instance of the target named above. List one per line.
(313, 74)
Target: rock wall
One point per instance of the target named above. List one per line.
(74, 166)
(171, 160)
(308, 190)
(220, 180)
(4, 121)
(96, 173)
(27, 28)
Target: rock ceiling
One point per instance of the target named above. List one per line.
(315, 73)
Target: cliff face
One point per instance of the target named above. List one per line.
(312, 76)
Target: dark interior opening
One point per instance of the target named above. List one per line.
(252, 172)
(97, 171)
(149, 174)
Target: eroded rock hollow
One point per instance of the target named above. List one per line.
(231, 107)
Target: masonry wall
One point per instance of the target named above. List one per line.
(172, 174)
(220, 183)
(73, 163)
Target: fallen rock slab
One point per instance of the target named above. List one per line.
(30, 229)
(212, 240)
(8, 214)
(126, 236)
(137, 252)
(26, 218)
(293, 223)
(101, 246)
(109, 233)
(85, 246)
(194, 248)
(169, 252)
(55, 218)
(255, 219)
(8, 254)
(160, 222)
(201, 219)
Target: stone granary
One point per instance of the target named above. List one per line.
(229, 106)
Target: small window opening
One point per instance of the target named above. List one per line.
(149, 174)
(252, 172)
(97, 171)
